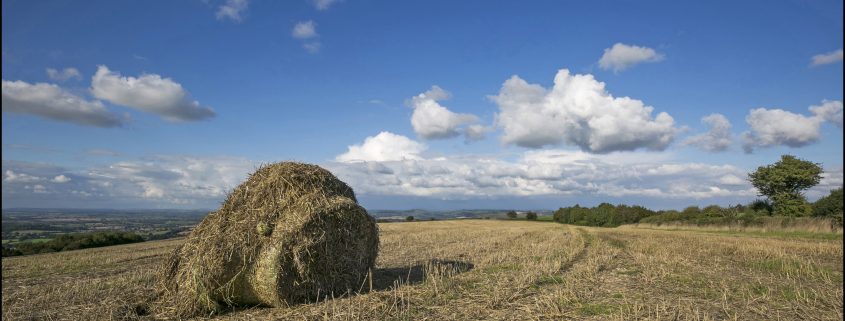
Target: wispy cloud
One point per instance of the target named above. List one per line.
(827, 58)
(64, 74)
(102, 152)
(232, 10)
(151, 182)
(312, 47)
(305, 30)
(323, 4)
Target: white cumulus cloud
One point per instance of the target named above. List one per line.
(622, 56)
(64, 74)
(578, 111)
(773, 127)
(149, 182)
(827, 58)
(52, 102)
(61, 179)
(39, 189)
(305, 30)
(385, 146)
(11, 176)
(476, 132)
(174, 179)
(717, 139)
(829, 110)
(434, 121)
(149, 93)
(545, 173)
(232, 10)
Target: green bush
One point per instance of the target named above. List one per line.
(531, 216)
(759, 205)
(830, 206)
(604, 214)
(710, 215)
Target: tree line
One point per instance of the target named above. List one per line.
(782, 184)
(76, 241)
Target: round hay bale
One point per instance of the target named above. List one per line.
(291, 233)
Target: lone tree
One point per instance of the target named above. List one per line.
(783, 183)
(531, 216)
(512, 214)
(410, 218)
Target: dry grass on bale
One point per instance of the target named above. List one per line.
(291, 233)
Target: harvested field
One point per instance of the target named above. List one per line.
(486, 269)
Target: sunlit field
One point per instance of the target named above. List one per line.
(482, 270)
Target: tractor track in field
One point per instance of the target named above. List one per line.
(582, 254)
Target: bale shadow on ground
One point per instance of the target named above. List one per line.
(387, 278)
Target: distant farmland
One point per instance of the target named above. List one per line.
(488, 269)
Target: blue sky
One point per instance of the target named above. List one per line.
(436, 105)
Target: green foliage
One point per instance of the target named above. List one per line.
(692, 211)
(531, 216)
(68, 242)
(789, 175)
(710, 215)
(512, 214)
(11, 252)
(830, 205)
(791, 204)
(410, 218)
(761, 206)
(712, 211)
(604, 214)
(783, 181)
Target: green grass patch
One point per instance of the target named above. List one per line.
(788, 293)
(549, 279)
(771, 234)
(591, 309)
(796, 268)
(694, 285)
(777, 265)
(760, 289)
(501, 268)
(792, 267)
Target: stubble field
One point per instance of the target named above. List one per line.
(486, 270)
